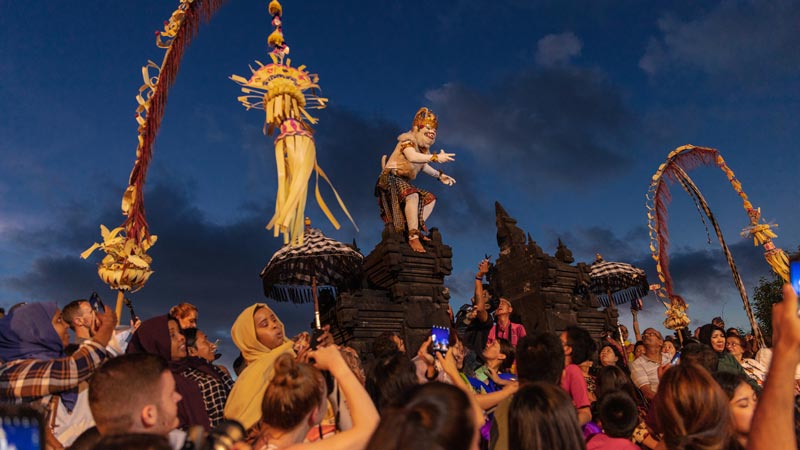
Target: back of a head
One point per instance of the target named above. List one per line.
(618, 414)
(121, 387)
(692, 410)
(384, 345)
(136, 441)
(508, 350)
(729, 381)
(542, 417)
(437, 416)
(389, 379)
(540, 357)
(612, 378)
(182, 310)
(71, 311)
(295, 390)
(701, 355)
(583, 346)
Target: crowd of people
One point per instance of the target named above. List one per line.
(495, 385)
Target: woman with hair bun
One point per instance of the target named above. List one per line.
(295, 401)
(437, 416)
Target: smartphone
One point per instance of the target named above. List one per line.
(21, 427)
(440, 339)
(794, 272)
(675, 359)
(96, 303)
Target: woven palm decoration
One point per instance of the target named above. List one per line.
(679, 162)
(126, 265)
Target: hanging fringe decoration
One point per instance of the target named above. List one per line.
(680, 161)
(298, 294)
(126, 265)
(285, 93)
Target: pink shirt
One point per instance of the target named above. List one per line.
(573, 382)
(512, 333)
(603, 442)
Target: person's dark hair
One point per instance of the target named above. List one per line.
(86, 440)
(692, 410)
(191, 336)
(583, 346)
(542, 416)
(729, 381)
(239, 364)
(437, 416)
(71, 310)
(295, 390)
(637, 344)
(383, 346)
(133, 441)
(702, 355)
(120, 388)
(540, 357)
(510, 354)
(389, 379)
(675, 342)
(611, 379)
(618, 413)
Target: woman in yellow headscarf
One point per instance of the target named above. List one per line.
(260, 336)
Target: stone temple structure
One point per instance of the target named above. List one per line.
(404, 292)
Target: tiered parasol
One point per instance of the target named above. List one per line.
(296, 274)
(615, 283)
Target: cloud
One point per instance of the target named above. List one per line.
(539, 128)
(751, 40)
(557, 49)
(584, 242)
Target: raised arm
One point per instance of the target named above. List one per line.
(415, 156)
(480, 294)
(636, 332)
(31, 379)
(362, 410)
(773, 421)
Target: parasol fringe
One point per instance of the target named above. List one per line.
(298, 294)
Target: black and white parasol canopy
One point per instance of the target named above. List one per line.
(288, 275)
(622, 282)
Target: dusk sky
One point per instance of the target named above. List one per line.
(560, 110)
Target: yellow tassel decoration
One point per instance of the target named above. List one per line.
(285, 93)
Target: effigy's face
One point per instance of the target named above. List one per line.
(425, 136)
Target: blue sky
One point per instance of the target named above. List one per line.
(561, 111)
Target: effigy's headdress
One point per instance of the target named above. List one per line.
(425, 117)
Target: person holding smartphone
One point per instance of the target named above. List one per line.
(36, 369)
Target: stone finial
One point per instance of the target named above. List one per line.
(564, 254)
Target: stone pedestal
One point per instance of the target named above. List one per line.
(405, 294)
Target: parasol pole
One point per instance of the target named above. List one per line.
(619, 329)
(120, 299)
(317, 323)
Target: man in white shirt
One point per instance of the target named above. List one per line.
(644, 369)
